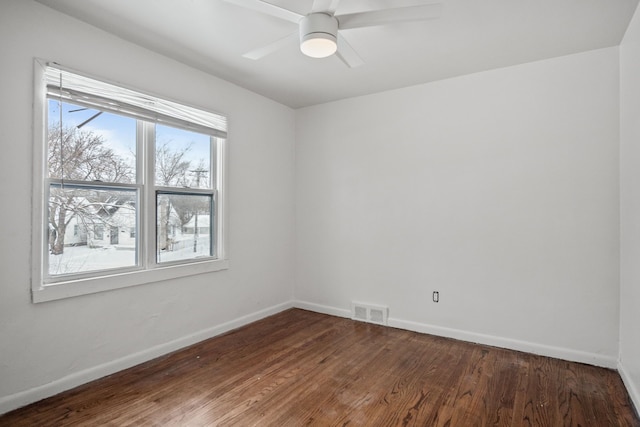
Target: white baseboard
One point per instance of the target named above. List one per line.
(511, 344)
(632, 389)
(324, 309)
(525, 346)
(17, 400)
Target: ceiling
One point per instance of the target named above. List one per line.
(468, 37)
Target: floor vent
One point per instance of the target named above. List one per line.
(369, 313)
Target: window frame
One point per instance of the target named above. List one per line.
(147, 270)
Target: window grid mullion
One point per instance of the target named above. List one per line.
(147, 136)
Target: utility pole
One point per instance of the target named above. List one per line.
(199, 172)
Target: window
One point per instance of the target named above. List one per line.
(129, 187)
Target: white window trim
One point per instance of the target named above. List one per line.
(153, 272)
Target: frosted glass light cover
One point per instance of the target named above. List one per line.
(319, 45)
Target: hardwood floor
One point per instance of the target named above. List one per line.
(301, 368)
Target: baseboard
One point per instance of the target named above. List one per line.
(324, 309)
(17, 400)
(525, 346)
(511, 344)
(633, 391)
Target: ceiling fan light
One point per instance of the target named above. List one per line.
(318, 45)
(318, 35)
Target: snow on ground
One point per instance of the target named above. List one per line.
(78, 259)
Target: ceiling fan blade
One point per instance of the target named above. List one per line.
(347, 54)
(389, 16)
(269, 9)
(271, 47)
(325, 6)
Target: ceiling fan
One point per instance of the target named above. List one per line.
(319, 31)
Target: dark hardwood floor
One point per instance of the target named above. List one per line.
(301, 368)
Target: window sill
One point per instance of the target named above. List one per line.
(73, 288)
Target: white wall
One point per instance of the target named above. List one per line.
(498, 189)
(51, 346)
(630, 209)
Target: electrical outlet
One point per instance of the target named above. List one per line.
(436, 296)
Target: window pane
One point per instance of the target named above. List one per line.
(103, 220)
(90, 145)
(185, 227)
(183, 158)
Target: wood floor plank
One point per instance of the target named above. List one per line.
(300, 368)
(499, 401)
